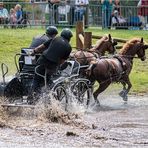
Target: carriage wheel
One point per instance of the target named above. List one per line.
(81, 91)
(60, 94)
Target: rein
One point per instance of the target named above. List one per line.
(128, 56)
(84, 56)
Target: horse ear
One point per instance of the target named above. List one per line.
(109, 37)
(141, 40)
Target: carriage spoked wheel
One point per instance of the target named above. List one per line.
(81, 91)
(60, 94)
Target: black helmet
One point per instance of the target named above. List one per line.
(66, 33)
(51, 30)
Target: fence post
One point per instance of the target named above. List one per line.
(79, 30)
(87, 40)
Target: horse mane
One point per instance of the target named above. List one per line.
(128, 45)
(99, 42)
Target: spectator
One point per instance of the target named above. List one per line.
(4, 16)
(116, 6)
(13, 19)
(143, 11)
(120, 22)
(56, 54)
(53, 5)
(81, 10)
(106, 13)
(72, 12)
(19, 13)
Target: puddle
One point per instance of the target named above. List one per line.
(114, 123)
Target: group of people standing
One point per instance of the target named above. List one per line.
(13, 18)
(111, 15)
(77, 10)
(143, 11)
(16, 15)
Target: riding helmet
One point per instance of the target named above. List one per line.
(51, 30)
(67, 33)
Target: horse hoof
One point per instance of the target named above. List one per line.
(125, 98)
(121, 94)
(97, 103)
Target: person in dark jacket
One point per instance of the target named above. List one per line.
(51, 32)
(56, 54)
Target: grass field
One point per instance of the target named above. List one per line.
(12, 40)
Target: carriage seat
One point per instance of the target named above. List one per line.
(72, 68)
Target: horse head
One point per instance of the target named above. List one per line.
(106, 43)
(134, 47)
(141, 50)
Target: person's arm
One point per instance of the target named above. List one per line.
(20, 15)
(66, 55)
(139, 3)
(40, 48)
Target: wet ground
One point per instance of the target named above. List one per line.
(114, 124)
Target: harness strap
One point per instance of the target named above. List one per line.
(123, 64)
(113, 72)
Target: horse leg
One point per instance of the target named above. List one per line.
(124, 89)
(125, 97)
(100, 89)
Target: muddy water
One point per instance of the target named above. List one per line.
(114, 124)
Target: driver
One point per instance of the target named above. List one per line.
(56, 54)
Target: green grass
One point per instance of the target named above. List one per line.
(12, 40)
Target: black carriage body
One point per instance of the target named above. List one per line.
(21, 84)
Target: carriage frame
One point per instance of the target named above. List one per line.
(66, 83)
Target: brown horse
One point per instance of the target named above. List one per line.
(106, 43)
(118, 68)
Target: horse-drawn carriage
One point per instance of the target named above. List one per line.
(64, 84)
(68, 82)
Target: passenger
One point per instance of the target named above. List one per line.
(56, 54)
(51, 32)
(38, 41)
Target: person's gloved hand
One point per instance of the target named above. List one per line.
(33, 53)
